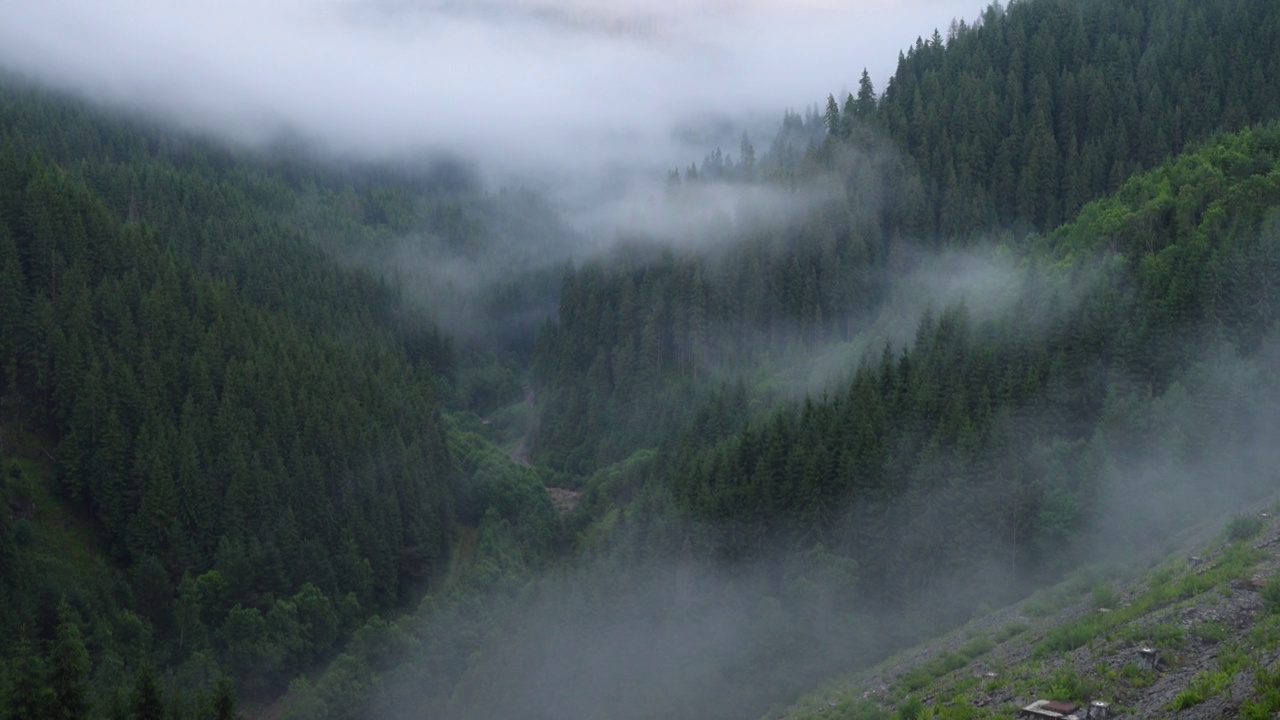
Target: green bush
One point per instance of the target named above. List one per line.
(1166, 635)
(1065, 638)
(1105, 596)
(1067, 684)
(1266, 694)
(1243, 527)
(1038, 607)
(1185, 699)
(914, 680)
(910, 709)
(1211, 631)
(977, 646)
(1010, 630)
(1203, 686)
(1271, 595)
(947, 662)
(1136, 676)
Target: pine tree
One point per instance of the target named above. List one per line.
(864, 107)
(146, 701)
(832, 118)
(69, 668)
(27, 694)
(222, 704)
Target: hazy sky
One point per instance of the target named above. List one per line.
(525, 86)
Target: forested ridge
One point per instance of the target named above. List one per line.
(1011, 125)
(250, 428)
(984, 316)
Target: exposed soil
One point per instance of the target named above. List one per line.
(564, 500)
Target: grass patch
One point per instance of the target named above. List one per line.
(960, 708)
(1165, 588)
(921, 676)
(1136, 677)
(1203, 686)
(1165, 635)
(977, 647)
(1210, 632)
(1266, 632)
(58, 530)
(1266, 696)
(1038, 608)
(1009, 631)
(1271, 596)
(1232, 661)
(910, 709)
(1066, 638)
(1067, 684)
(915, 679)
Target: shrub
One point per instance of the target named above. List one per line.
(1070, 685)
(1038, 607)
(1266, 692)
(1166, 635)
(1203, 686)
(914, 680)
(910, 709)
(1010, 630)
(1065, 638)
(1212, 631)
(1136, 676)
(1105, 596)
(977, 646)
(1187, 698)
(1271, 595)
(1243, 527)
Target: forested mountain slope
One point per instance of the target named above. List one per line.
(244, 430)
(1010, 125)
(892, 387)
(1011, 419)
(1126, 387)
(1032, 112)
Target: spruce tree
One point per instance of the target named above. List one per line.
(69, 668)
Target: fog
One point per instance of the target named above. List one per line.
(677, 637)
(555, 92)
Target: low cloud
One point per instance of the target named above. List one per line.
(548, 91)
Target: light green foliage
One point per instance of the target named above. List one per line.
(1232, 660)
(1067, 684)
(1136, 676)
(1163, 635)
(1203, 686)
(1209, 631)
(1266, 696)
(959, 708)
(1039, 607)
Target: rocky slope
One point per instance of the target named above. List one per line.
(1210, 610)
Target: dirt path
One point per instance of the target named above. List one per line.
(462, 553)
(520, 451)
(564, 500)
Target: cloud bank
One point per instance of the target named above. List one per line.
(545, 89)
